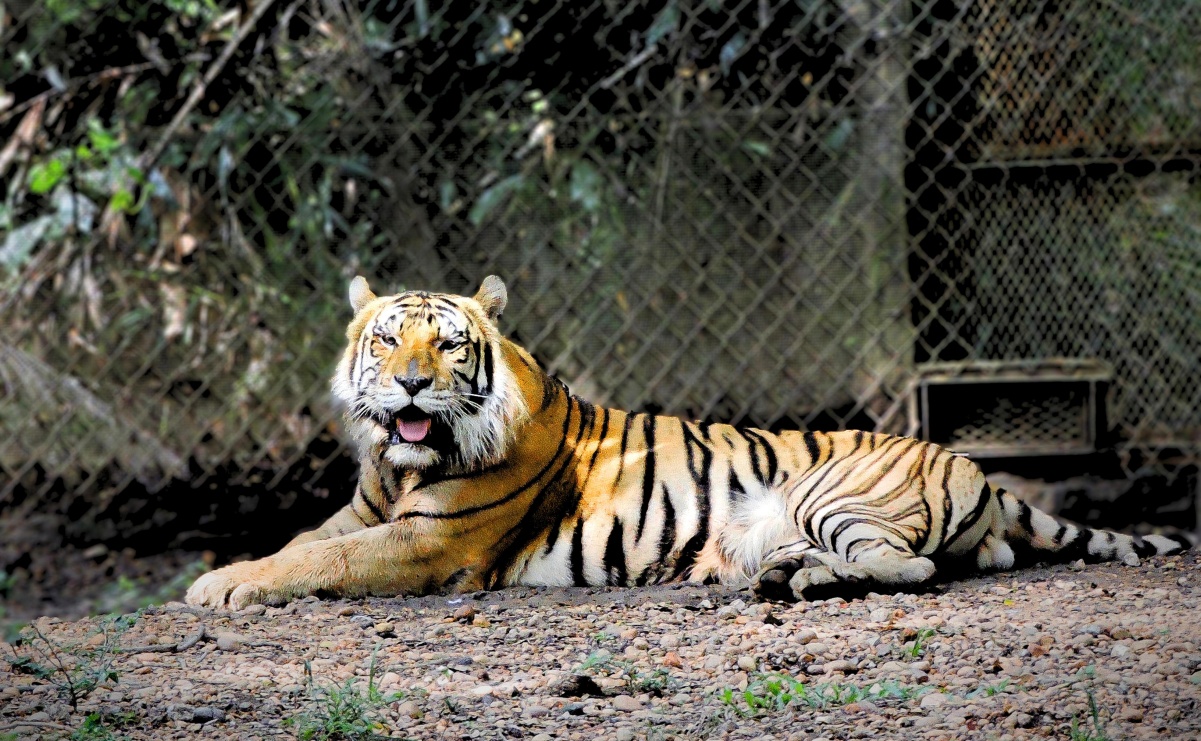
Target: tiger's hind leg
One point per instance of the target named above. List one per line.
(801, 570)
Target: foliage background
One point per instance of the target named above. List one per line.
(774, 212)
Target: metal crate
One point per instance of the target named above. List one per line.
(1014, 408)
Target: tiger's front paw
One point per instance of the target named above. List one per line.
(237, 586)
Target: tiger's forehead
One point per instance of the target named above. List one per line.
(439, 313)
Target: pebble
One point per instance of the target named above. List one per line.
(626, 704)
(1130, 559)
(189, 714)
(464, 613)
(933, 700)
(748, 663)
(252, 610)
(625, 734)
(227, 641)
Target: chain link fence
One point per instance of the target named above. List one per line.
(972, 221)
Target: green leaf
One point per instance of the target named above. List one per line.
(45, 175)
(493, 197)
(837, 138)
(762, 149)
(447, 193)
(666, 22)
(586, 185)
(730, 51)
(122, 200)
(422, 9)
(102, 141)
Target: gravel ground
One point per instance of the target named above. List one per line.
(1009, 656)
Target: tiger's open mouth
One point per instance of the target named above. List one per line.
(410, 425)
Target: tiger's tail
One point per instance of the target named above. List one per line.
(1048, 538)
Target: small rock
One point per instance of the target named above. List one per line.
(1119, 650)
(97, 551)
(625, 734)
(464, 613)
(626, 704)
(577, 685)
(1130, 559)
(504, 689)
(189, 714)
(880, 615)
(230, 641)
(1077, 565)
(610, 630)
(747, 663)
(672, 659)
(347, 611)
(841, 665)
(669, 641)
(409, 708)
(543, 737)
(805, 635)
(1131, 715)
(933, 700)
(385, 630)
(252, 610)
(480, 621)
(1022, 720)
(535, 711)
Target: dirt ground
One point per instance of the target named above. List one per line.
(1108, 651)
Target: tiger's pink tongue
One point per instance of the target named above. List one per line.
(413, 432)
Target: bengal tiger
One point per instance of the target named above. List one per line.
(479, 470)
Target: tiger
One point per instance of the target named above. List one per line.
(479, 470)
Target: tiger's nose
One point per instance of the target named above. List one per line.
(413, 384)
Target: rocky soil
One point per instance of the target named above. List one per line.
(1109, 651)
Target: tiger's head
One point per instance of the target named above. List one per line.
(423, 380)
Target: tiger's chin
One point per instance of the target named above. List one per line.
(412, 455)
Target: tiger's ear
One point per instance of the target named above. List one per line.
(360, 294)
(492, 296)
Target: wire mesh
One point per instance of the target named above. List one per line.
(773, 212)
